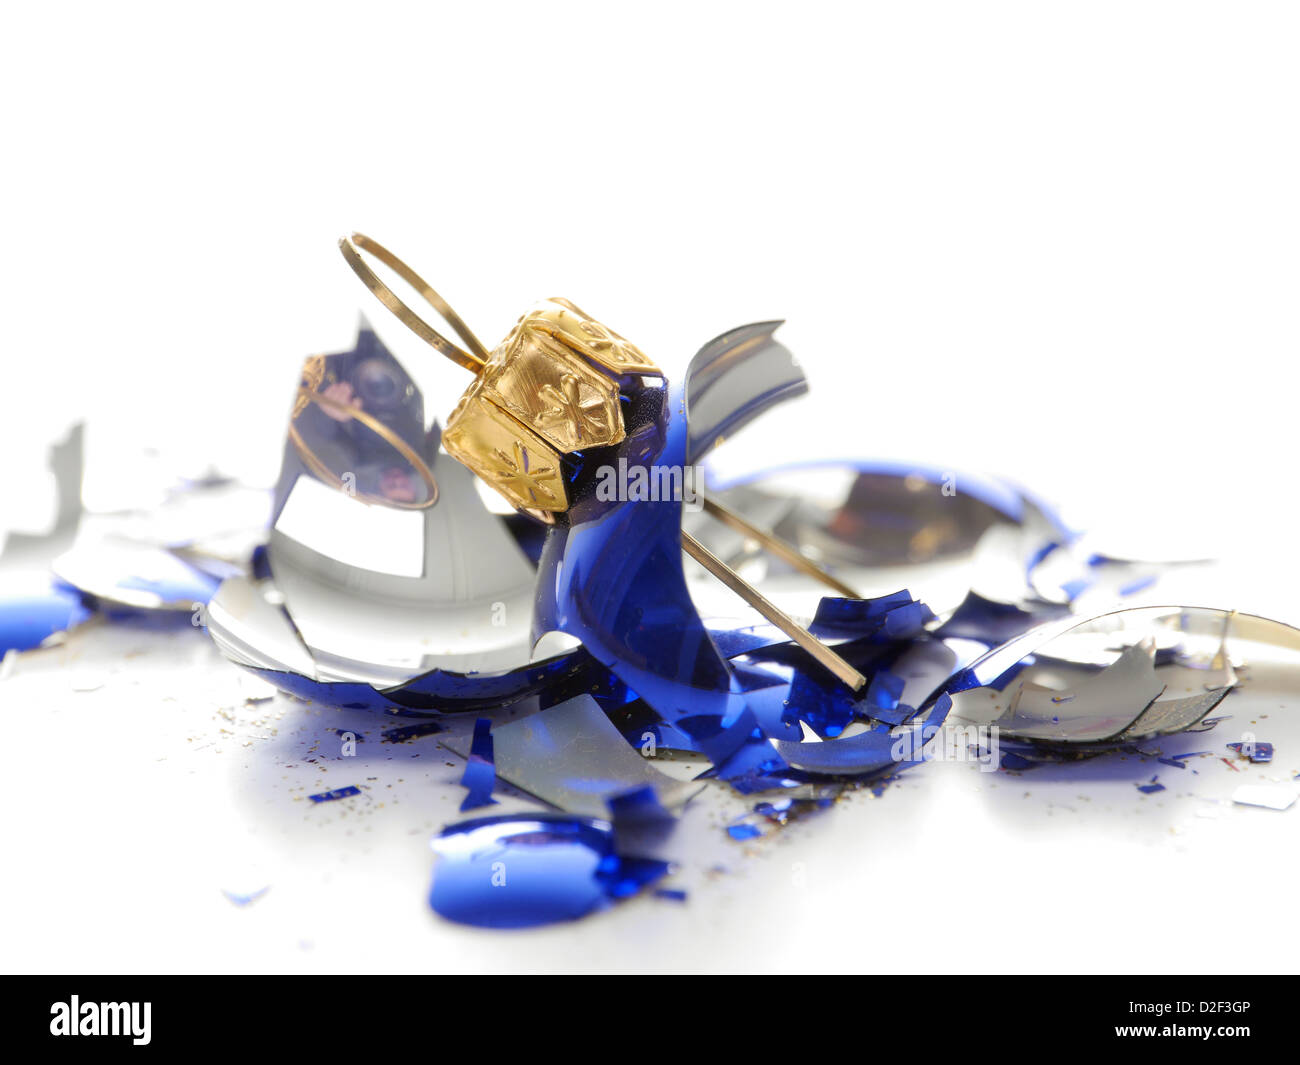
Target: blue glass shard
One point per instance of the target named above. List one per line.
(732, 643)
(640, 823)
(672, 894)
(1135, 586)
(613, 578)
(743, 831)
(767, 692)
(516, 873)
(245, 898)
(1150, 788)
(866, 653)
(752, 766)
(259, 565)
(1075, 588)
(775, 811)
(937, 715)
(893, 617)
(1037, 556)
(720, 736)
(456, 692)
(774, 710)
(636, 809)
(403, 733)
(442, 691)
(33, 614)
(1255, 750)
(650, 736)
(172, 581)
(752, 679)
(898, 715)
(992, 622)
(908, 621)
(1179, 761)
(131, 576)
(758, 782)
(349, 695)
(623, 875)
(878, 750)
(480, 773)
(513, 872)
(783, 811)
(883, 694)
(851, 618)
(337, 793)
(866, 752)
(826, 707)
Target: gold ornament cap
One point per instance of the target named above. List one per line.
(549, 389)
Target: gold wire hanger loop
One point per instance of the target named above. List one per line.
(472, 360)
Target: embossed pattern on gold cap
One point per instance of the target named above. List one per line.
(546, 391)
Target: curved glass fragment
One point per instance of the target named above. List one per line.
(612, 576)
(135, 576)
(520, 872)
(247, 621)
(419, 588)
(385, 595)
(31, 611)
(1113, 679)
(733, 379)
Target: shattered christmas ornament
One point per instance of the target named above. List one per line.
(623, 613)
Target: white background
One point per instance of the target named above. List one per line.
(1056, 241)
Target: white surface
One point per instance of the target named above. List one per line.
(1053, 241)
(137, 802)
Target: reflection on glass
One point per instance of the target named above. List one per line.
(358, 425)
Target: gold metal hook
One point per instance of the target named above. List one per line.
(777, 546)
(778, 617)
(472, 360)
